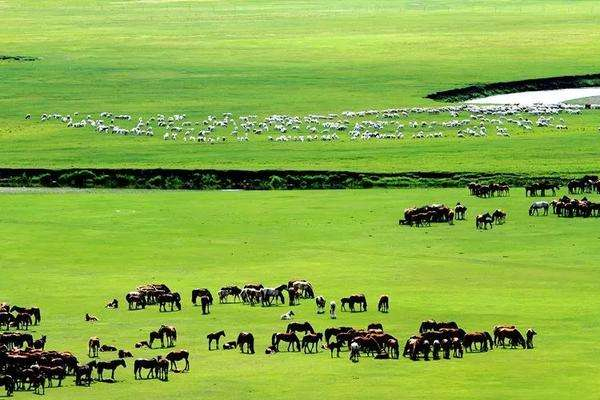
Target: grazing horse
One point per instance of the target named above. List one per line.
(161, 370)
(354, 352)
(144, 363)
(310, 342)
(537, 206)
(83, 373)
(111, 366)
(172, 299)
(331, 332)
(290, 338)
(197, 293)
(214, 336)
(227, 291)
(33, 311)
(205, 302)
(9, 384)
(23, 319)
(460, 211)
(483, 220)
(305, 327)
(337, 346)
(135, 300)
(93, 346)
(529, 335)
(446, 344)
(269, 294)
(393, 348)
(497, 332)
(359, 299)
(246, 338)
(367, 344)
(384, 304)
(435, 349)
(499, 217)
(38, 383)
(513, 334)
(320, 301)
(457, 348)
(483, 338)
(170, 334)
(7, 319)
(179, 355)
(432, 325)
(154, 335)
(40, 343)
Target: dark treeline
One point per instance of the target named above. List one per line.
(250, 180)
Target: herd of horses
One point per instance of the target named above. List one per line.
(425, 215)
(25, 364)
(489, 190)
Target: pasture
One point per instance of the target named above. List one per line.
(70, 252)
(261, 57)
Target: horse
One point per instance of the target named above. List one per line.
(457, 348)
(287, 316)
(499, 217)
(483, 220)
(537, 206)
(354, 352)
(270, 294)
(392, 348)
(179, 355)
(38, 383)
(384, 304)
(113, 304)
(135, 300)
(83, 373)
(529, 335)
(33, 311)
(515, 337)
(90, 318)
(144, 363)
(359, 299)
(161, 370)
(170, 334)
(289, 337)
(432, 325)
(367, 344)
(337, 346)
(375, 326)
(124, 354)
(106, 348)
(320, 301)
(93, 346)
(483, 338)
(197, 293)
(154, 335)
(497, 331)
(6, 318)
(226, 291)
(205, 302)
(311, 341)
(305, 327)
(230, 345)
(23, 320)
(172, 299)
(141, 344)
(40, 343)
(9, 384)
(332, 308)
(460, 211)
(111, 366)
(330, 332)
(214, 336)
(246, 338)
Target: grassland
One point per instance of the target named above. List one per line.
(71, 251)
(261, 57)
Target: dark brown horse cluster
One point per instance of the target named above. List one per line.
(482, 221)
(150, 294)
(18, 317)
(425, 215)
(441, 339)
(586, 184)
(540, 188)
(491, 190)
(567, 207)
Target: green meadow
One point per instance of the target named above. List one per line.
(70, 252)
(295, 57)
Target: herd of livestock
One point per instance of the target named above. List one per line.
(26, 364)
(462, 121)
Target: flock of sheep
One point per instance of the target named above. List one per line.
(462, 121)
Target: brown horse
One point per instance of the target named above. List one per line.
(471, 340)
(83, 373)
(367, 345)
(529, 335)
(93, 346)
(135, 300)
(457, 347)
(291, 339)
(305, 327)
(161, 370)
(333, 331)
(23, 320)
(197, 293)
(124, 354)
(9, 384)
(214, 336)
(334, 346)
(483, 220)
(33, 311)
(106, 348)
(40, 343)
(171, 299)
(310, 342)
(144, 363)
(154, 335)
(393, 348)
(515, 337)
(384, 304)
(499, 217)
(170, 334)
(205, 302)
(356, 299)
(246, 338)
(111, 366)
(179, 355)
(497, 330)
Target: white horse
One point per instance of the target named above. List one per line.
(537, 206)
(320, 300)
(287, 316)
(332, 310)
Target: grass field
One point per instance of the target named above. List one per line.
(71, 251)
(261, 57)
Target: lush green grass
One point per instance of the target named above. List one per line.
(144, 57)
(71, 252)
